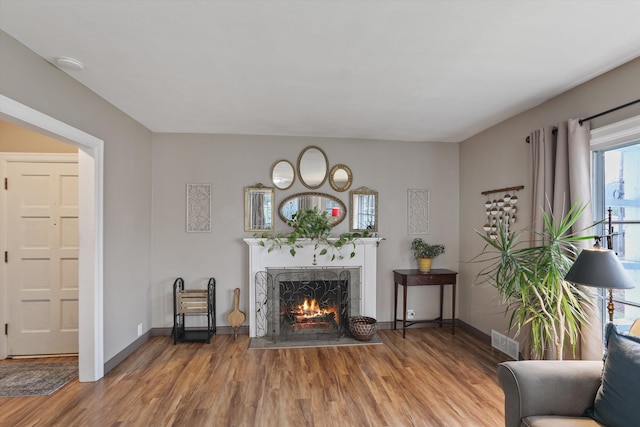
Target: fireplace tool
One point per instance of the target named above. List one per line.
(236, 317)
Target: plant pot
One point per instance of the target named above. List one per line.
(424, 264)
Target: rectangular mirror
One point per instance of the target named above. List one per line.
(258, 208)
(363, 210)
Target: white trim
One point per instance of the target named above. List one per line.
(615, 134)
(91, 172)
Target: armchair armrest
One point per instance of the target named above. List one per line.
(548, 387)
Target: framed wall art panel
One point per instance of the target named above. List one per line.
(418, 211)
(198, 208)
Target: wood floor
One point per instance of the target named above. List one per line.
(428, 379)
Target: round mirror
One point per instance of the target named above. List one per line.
(340, 177)
(312, 167)
(336, 210)
(282, 174)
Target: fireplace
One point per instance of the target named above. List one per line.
(305, 304)
(265, 265)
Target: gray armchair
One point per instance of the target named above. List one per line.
(540, 393)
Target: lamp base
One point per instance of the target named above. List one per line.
(610, 307)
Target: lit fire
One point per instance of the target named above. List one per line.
(310, 309)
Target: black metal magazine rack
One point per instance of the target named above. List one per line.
(193, 302)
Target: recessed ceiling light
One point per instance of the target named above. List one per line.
(69, 63)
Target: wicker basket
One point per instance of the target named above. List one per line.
(362, 328)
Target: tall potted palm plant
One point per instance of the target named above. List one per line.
(530, 281)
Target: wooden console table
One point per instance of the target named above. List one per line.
(436, 277)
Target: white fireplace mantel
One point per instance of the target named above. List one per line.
(260, 259)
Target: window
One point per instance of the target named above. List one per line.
(616, 169)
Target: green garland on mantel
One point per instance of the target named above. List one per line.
(311, 224)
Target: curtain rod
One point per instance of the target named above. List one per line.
(609, 111)
(620, 107)
(554, 131)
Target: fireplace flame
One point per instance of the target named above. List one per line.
(310, 309)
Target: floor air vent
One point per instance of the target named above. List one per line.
(505, 344)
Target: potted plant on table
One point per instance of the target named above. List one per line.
(425, 253)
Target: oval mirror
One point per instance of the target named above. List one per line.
(363, 210)
(334, 207)
(258, 208)
(282, 174)
(340, 177)
(312, 167)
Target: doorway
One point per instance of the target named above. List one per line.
(41, 240)
(90, 244)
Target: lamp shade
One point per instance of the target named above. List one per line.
(599, 268)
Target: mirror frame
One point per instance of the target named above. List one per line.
(353, 214)
(328, 196)
(293, 173)
(301, 167)
(332, 179)
(248, 208)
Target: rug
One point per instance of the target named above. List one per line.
(35, 379)
(257, 343)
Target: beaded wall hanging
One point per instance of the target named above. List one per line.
(500, 209)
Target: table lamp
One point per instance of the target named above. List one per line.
(600, 268)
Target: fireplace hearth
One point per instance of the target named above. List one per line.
(305, 304)
(264, 265)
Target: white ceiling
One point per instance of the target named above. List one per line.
(399, 70)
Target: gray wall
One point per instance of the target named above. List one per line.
(32, 81)
(499, 157)
(231, 163)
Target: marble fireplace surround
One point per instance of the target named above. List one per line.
(366, 251)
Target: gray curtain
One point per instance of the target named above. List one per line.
(560, 171)
(560, 177)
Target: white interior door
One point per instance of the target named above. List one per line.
(42, 258)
